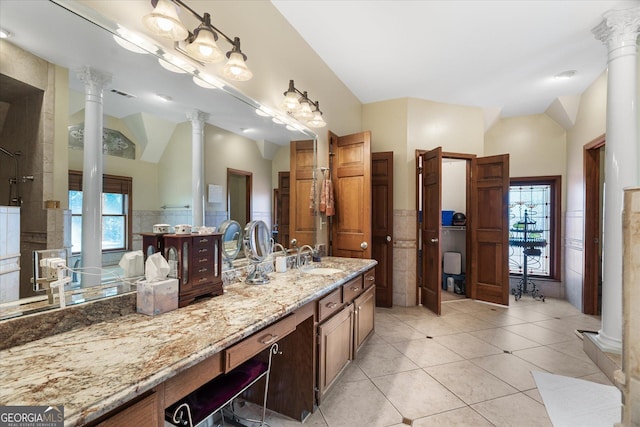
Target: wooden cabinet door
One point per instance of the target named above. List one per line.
(382, 225)
(431, 229)
(364, 316)
(490, 229)
(335, 348)
(283, 208)
(301, 212)
(351, 175)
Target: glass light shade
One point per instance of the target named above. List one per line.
(175, 64)
(277, 121)
(133, 42)
(236, 69)
(262, 112)
(206, 81)
(317, 121)
(304, 113)
(204, 47)
(164, 22)
(290, 102)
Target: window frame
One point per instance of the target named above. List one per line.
(114, 184)
(555, 184)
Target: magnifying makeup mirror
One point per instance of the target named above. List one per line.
(257, 246)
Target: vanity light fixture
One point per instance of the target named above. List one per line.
(133, 42)
(207, 81)
(298, 105)
(175, 64)
(201, 43)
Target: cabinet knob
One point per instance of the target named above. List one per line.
(355, 289)
(388, 238)
(434, 240)
(269, 340)
(364, 246)
(332, 305)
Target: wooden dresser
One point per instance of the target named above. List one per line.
(196, 261)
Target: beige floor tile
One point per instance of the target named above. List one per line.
(433, 327)
(277, 420)
(598, 377)
(568, 325)
(517, 410)
(510, 369)
(537, 333)
(395, 331)
(573, 348)
(427, 352)
(463, 417)
(469, 382)
(470, 306)
(467, 345)
(375, 339)
(498, 318)
(504, 339)
(411, 313)
(358, 404)
(465, 322)
(353, 373)
(526, 313)
(556, 362)
(415, 394)
(379, 360)
(535, 395)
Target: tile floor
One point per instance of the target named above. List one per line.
(469, 367)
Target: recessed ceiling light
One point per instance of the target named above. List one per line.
(5, 34)
(566, 74)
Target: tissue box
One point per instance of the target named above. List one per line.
(157, 297)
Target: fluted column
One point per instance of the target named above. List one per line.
(198, 119)
(619, 31)
(94, 84)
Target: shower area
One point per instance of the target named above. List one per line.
(26, 169)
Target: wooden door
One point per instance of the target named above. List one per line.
(301, 209)
(490, 229)
(351, 174)
(592, 226)
(382, 225)
(282, 208)
(431, 229)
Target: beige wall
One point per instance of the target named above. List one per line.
(144, 174)
(590, 124)
(61, 137)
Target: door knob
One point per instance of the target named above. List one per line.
(434, 240)
(364, 246)
(388, 238)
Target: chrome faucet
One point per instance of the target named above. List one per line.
(300, 249)
(278, 245)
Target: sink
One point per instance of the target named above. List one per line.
(323, 271)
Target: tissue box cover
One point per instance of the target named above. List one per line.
(157, 297)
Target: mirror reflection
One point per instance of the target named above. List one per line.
(147, 140)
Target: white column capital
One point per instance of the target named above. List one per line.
(619, 28)
(198, 118)
(94, 81)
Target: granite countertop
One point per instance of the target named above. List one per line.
(94, 369)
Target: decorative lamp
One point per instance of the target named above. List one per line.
(164, 22)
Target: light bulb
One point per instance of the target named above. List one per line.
(164, 21)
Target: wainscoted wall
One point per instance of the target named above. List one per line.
(574, 257)
(404, 257)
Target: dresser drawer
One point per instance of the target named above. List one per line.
(203, 241)
(249, 347)
(202, 251)
(199, 271)
(352, 289)
(329, 304)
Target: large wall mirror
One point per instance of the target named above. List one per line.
(145, 111)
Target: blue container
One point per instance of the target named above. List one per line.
(447, 217)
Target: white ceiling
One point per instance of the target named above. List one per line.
(500, 55)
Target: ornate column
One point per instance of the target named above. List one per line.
(198, 119)
(619, 31)
(94, 84)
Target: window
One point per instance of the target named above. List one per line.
(116, 211)
(539, 197)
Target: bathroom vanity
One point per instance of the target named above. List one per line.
(127, 370)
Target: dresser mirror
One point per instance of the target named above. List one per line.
(73, 35)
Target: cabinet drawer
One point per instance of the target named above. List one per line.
(202, 251)
(141, 414)
(201, 261)
(352, 289)
(329, 304)
(199, 271)
(257, 342)
(369, 278)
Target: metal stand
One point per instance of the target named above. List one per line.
(530, 249)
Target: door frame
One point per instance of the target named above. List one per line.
(592, 220)
(248, 191)
(469, 202)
